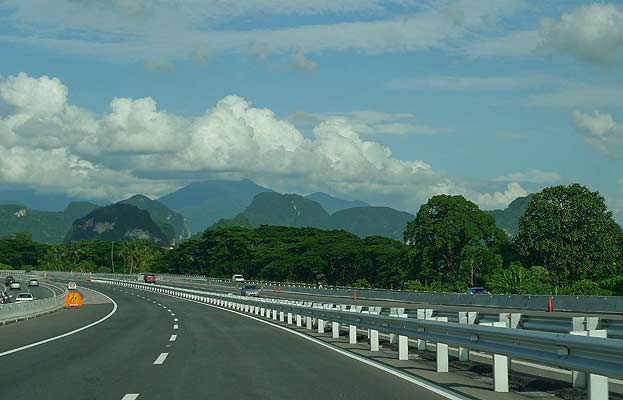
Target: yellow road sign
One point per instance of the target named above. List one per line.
(73, 299)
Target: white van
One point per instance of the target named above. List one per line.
(237, 278)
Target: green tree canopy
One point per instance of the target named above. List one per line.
(569, 231)
(453, 241)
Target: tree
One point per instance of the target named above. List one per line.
(569, 231)
(453, 241)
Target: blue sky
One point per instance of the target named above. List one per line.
(387, 101)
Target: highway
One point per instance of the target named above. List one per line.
(158, 347)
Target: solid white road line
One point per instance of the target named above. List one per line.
(161, 358)
(130, 396)
(99, 321)
(175, 326)
(175, 319)
(173, 338)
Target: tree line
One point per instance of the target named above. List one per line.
(567, 243)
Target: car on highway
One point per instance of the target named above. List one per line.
(8, 280)
(149, 278)
(250, 290)
(23, 297)
(4, 297)
(237, 278)
(33, 282)
(477, 290)
(15, 285)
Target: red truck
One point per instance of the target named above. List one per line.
(149, 278)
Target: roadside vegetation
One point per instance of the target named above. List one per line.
(567, 243)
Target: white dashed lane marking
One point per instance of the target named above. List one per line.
(173, 338)
(174, 319)
(175, 326)
(161, 358)
(130, 396)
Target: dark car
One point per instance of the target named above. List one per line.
(477, 290)
(250, 290)
(8, 280)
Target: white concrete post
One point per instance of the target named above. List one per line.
(320, 325)
(394, 311)
(262, 311)
(423, 313)
(281, 316)
(403, 344)
(299, 321)
(582, 324)
(500, 364)
(596, 385)
(352, 334)
(442, 351)
(309, 324)
(374, 340)
(289, 318)
(275, 315)
(335, 329)
(466, 317)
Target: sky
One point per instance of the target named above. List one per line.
(389, 102)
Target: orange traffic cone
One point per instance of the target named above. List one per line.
(550, 304)
(355, 295)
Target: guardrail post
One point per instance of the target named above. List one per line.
(281, 316)
(500, 364)
(466, 317)
(275, 315)
(423, 313)
(289, 318)
(442, 351)
(299, 321)
(582, 324)
(335, 329)
(262, 311)
(309, 324)
(403, 344)
(320, 325)
(596, 385)
(394, 311)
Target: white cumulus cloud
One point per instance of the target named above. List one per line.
(601, 131)
(47, 143)
(592, 33)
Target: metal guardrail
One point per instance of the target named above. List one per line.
(577, 353)
(13, 312)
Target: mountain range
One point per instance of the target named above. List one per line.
(293, 210)
(216, 203)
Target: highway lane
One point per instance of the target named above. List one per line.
(97, 363)
(162, 348)
(222, 355)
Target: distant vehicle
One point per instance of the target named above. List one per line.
(477, 290)
(237, 278)
(8, 280)
(22, 297)
(33, 282)
(72, 286)
(149, 278)
(4, 297)
(250, 290)
(15, 285)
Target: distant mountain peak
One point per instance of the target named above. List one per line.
(332, 204)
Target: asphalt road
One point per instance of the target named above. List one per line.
(215, 354)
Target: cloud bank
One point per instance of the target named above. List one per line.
(137, 148)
